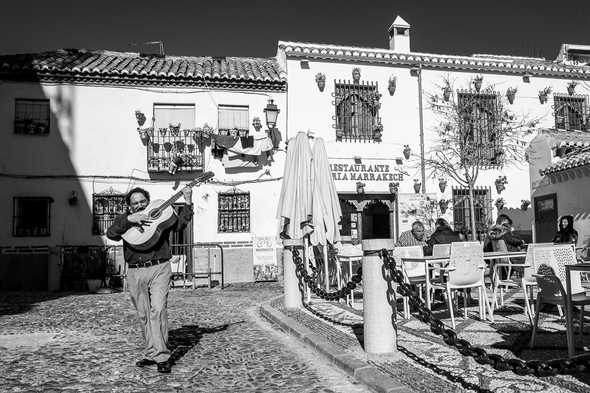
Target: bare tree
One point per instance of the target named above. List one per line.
(474, 130)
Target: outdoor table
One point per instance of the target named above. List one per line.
(430, 262)
(580, 267)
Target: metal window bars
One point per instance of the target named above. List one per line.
(571, 112)
(482, 203)
(105, 207)
(184, 147)
(480, 126)
(233, 212)
(357, 111)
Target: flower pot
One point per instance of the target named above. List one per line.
(360, 188)
(393, 187)
(179, 145)
(525, 205)
(320, 80)
(407, 152)
(442, 185)
(93, 284)
(417, 186)
(499, 205)
(571, 88)
(477, 82)
(443, 204)
(156, 147)
(510, 94)
(163, 131)
(392, 84)
(500, 187)
(446, 93)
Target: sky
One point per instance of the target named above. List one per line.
(253, 28)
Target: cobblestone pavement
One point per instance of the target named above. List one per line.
(89, 343)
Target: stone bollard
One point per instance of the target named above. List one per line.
(292, 297)
(379, 333)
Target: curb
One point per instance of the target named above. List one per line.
(360, 369)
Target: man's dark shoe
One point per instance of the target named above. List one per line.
(165, 367)
(145, 362)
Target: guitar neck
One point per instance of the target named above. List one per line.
(193, 183)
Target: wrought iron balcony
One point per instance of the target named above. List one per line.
(173, 145)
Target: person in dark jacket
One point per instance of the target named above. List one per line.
(443, 234)
(148, 274)
(566, 232)
(503, 231)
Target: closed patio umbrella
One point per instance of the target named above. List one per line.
(295, 202)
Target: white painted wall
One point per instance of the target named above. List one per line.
(310, 109)
(94, 134)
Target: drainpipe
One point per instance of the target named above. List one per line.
(420, 113)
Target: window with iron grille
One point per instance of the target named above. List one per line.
(571, 112)
(234, 212)
(357, 111)
(31, 216)
(233, 120)
(482, 204)
(480, 122)
(105, 207)
(31, 117)
(174, 138)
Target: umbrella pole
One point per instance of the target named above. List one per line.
(306, 255)
(326, 270)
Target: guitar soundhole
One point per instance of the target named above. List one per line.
(155, 213)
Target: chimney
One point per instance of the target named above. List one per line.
(399, 35)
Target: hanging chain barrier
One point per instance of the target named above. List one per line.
(311, 280)
(539, 368)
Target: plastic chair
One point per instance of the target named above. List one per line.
(348, 254)
(466, 270)
(535, 252)
(551, 291)
(414, 272)
(498, 282)
(178, 267)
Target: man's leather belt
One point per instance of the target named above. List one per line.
(153, 262)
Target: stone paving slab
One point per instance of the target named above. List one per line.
(74, 342)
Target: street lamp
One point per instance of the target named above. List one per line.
(271, 112)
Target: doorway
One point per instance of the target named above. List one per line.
(545, 217)
(376, 222)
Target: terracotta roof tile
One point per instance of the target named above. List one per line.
(122, 67)
(573, 161)
(562, 138)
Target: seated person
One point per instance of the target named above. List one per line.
(502, 230)
(443, 234)
(417, 236)
(566, 232)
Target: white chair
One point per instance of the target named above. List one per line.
(348, 254)
(498, 283)
(466, 270)
(414, 272)
(551, 291)
(535, 251)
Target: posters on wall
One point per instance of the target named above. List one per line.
(265, 258)
(414, 207)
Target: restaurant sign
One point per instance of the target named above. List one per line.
(369, 170)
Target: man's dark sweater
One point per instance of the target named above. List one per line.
(442, 235)
(161, 250)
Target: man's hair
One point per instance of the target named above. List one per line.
(441, 222)
(134, 191)
(417, 223)
(503, 217)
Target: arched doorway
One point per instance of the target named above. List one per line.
(376, 221)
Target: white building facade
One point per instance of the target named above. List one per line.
(373, 105)
(82, 128)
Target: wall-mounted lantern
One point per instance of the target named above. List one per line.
(407, 151)
(442, 184)
(417, 186)
(392, 84)
(510, 94)
(360, 187)
(320, 80)
(271, 112)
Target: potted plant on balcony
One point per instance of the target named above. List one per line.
(174, 128)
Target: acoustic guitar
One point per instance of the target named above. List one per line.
(163, 217)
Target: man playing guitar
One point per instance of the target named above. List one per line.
(149, 274)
